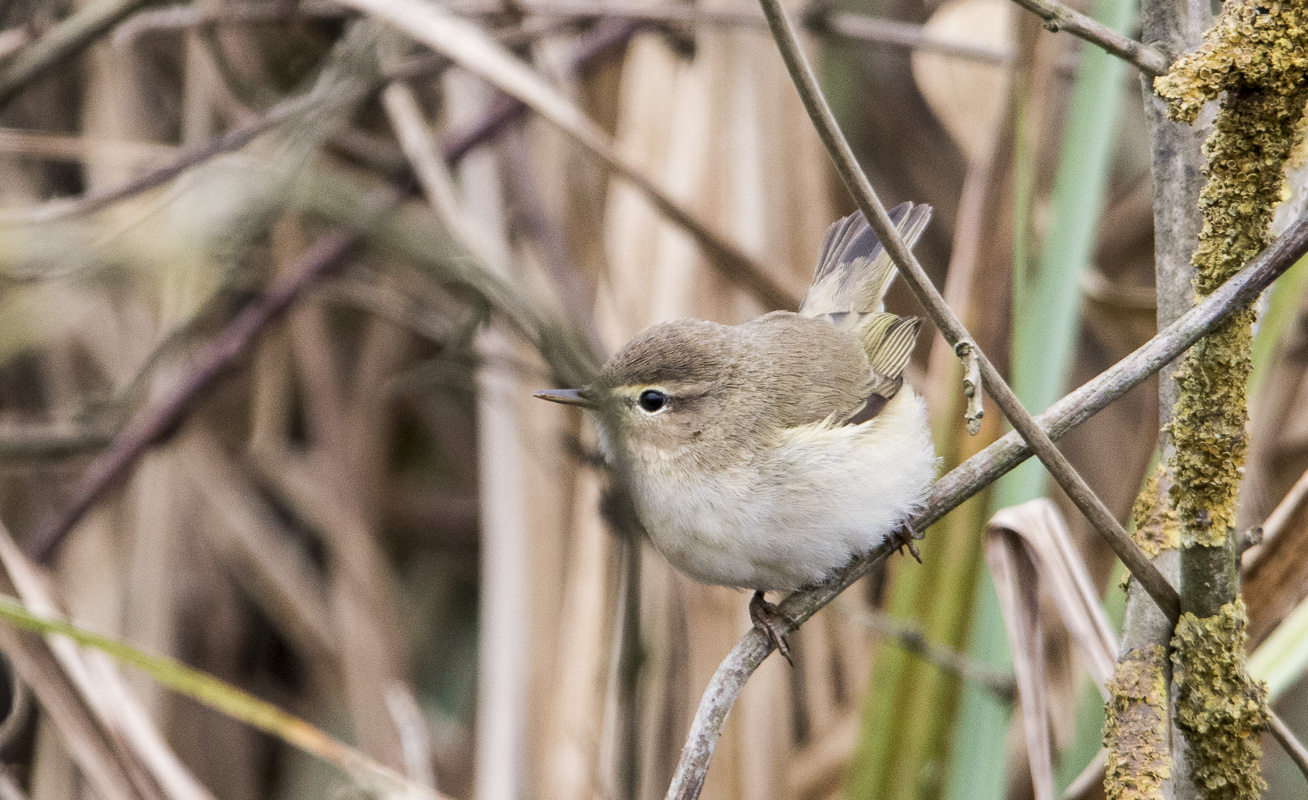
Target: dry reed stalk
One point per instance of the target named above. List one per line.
(325, 487)
(256, 550)
(141, 549)
(505, 633)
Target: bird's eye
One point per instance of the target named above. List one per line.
(652, 400)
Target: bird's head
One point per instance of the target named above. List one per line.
(669, 394)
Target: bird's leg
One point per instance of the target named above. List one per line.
(905, 536)
(768, 619)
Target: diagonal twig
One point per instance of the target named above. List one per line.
(974, 475)
(908, 638)
(949, 325)
(1059, 17)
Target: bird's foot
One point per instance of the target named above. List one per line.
(772, 621)
(906, 536)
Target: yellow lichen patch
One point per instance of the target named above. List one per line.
(1257, 54)
(1156, 525)
(1254, 43)
(1218, 706)
(1136, 727)
(1208, 430)
(1256, 57)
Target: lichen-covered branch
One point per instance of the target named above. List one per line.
(1136, 727)
(1255, 57)
(1217, 703)
(1141, 764)
(1137, 718)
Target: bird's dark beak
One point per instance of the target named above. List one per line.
(569, 397)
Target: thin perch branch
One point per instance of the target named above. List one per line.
(949, 325)
(974, 475)
(1059, 17)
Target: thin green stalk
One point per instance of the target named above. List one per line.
(1046, 323)
(226, 699)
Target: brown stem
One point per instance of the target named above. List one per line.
(155, 422)
(1059, 17)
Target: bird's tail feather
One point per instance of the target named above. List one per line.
(854, 271)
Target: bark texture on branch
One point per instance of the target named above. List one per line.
(1137, 718)
(1255, 55)
(1141, 762)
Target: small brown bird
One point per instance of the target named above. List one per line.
(768, 454)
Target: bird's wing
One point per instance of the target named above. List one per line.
(842, 366)
(853, 270)
(888, 340)
(803, 370)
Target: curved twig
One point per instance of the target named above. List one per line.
(1078, 491)
(978, 472)
(1059, 17)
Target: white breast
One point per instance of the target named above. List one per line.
(792, 517)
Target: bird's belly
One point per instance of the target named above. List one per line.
(746, 530)
(707, 531)
(794, 515)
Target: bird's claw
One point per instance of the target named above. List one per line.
(906, 536)
(772, 622)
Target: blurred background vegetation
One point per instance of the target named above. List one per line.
(356, 511)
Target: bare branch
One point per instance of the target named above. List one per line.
(1059, 17)
(908, 638)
